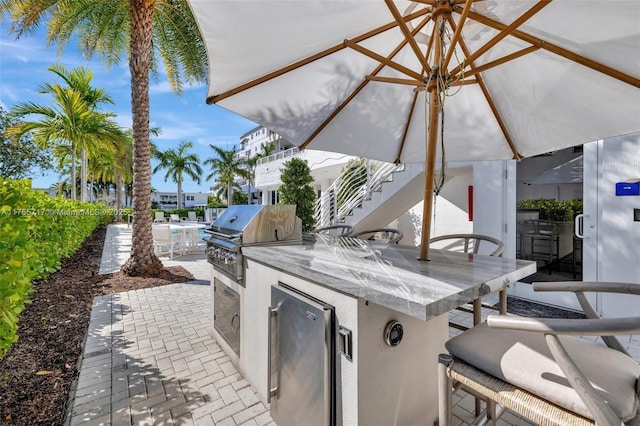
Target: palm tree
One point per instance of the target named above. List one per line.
(79, 79)
(70, 121)
(73, 120)
(178, 162)
(145, 30)
(227, 165)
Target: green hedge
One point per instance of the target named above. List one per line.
(551, 209)
(180, 212)
(37, 232)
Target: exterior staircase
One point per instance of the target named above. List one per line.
(377, 193)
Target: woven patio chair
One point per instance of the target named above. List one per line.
(541, 370)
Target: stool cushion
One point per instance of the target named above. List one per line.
(523, 359)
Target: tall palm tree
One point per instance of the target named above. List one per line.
(227, 165)
(146, 30)
(69, 121)
(178, 162)
(79, 79)
(73, 120)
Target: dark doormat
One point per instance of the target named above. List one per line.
(526, 308)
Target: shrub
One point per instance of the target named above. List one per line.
(551, 209)
(296, 189)
(37, 232)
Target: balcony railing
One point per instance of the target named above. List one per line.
(291, 152)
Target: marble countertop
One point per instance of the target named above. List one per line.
(391, 275)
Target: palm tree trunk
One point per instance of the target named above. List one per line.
(74, 190)
(119, 185)
(229, 194)
(143, 260)
(179, 204)
(83, 175)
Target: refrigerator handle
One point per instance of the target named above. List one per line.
(579, 226)
(272, 319)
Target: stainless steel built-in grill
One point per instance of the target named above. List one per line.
(244, 225)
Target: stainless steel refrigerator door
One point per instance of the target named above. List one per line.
(301, 364)
(226, 314)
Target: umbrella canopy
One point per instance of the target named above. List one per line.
(412, 81)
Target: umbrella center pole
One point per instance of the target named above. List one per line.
(441, 8)
(434, 89)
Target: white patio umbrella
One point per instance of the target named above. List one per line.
(413, 81)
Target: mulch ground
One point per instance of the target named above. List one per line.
(36, 374)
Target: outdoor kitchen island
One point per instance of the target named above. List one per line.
(375, 362)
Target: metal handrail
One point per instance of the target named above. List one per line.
(350, 189)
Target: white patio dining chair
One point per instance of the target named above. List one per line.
(191, 240)
(164, 241)
(471, 243)
(541, 369)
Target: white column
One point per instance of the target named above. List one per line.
(494, 202)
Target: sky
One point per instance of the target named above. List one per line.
(23, 68)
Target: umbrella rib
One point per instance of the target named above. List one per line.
(503, 32)
(375, 56)
(310, 59)
(487, 95)
(457, 33)
(498, 62)
(464, 82)
(550, 47)
(406, 128)
(407, 34)
(404, 81)
(361, 86)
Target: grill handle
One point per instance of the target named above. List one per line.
(223, 235)
(273, 360)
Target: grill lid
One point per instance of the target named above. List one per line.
(236, 218)
(258, 223)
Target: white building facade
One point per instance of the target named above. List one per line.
(169, 200)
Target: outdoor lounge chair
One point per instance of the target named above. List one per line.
(387, 235)
(540, 370)
(337, 230)
(471, 243)
(191, 217)
(174, 218)
(159, 218)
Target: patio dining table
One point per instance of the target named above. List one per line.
(188, 236)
